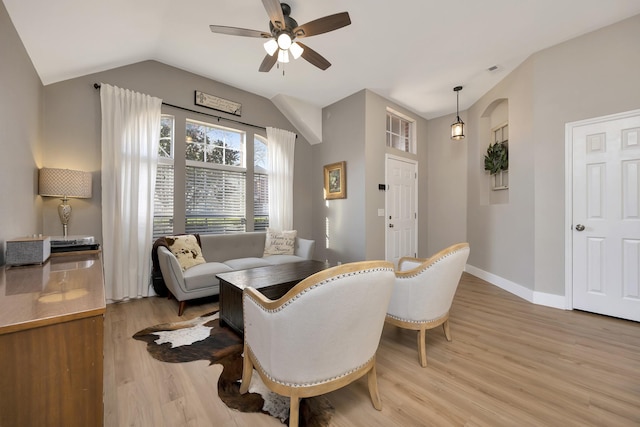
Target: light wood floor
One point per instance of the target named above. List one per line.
(511, 363)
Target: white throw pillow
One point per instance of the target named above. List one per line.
(186, 249)
(280, 242)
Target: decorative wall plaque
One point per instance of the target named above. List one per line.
(217, 103)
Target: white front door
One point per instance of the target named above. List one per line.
(401, 208)
(606, 215)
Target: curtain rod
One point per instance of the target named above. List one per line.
(97, 86)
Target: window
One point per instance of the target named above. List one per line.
(163, 200)
(260, 184)
(212, 176)
(215, 179)
(400, 132)
(501, 133)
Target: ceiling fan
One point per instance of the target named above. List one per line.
(284, 30)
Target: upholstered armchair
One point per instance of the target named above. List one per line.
(320, 336)
(424, 292)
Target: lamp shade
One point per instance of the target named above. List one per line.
(457, 130)
(64, 183)
(283, 56)
(284, 41)
(271, 46)
(296, 50)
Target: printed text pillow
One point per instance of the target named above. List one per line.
(280, 242)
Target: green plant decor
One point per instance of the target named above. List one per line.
(497, 158)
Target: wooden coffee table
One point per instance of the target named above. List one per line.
(273, 282)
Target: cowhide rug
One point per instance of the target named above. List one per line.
(204, 339)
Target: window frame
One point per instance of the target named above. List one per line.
(406, 122)
(259, 223)
(167, 163)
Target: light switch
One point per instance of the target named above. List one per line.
(381, 212)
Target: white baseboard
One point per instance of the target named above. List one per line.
(539, 298)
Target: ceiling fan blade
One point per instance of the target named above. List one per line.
(268, 62)
(322, 25)
(234, 31)
(274, 10)
(314, 57)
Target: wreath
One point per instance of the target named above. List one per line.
(497, 158)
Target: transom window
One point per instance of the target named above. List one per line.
(400, 132)
(213, 144)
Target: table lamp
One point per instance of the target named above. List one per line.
(64, 183)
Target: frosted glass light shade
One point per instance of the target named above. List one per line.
(271, 46)
(283, 55)
(296, 50)
(284, 41)
(457, 130)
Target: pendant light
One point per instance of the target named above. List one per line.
(457, 129)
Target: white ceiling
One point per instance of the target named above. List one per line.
(412, 52)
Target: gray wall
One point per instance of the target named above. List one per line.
(73, 125)
(339, 224)
(353, 129)
(20, 138)
(375, 150)
(589, 76)
(446, 190)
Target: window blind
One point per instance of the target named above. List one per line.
(260, 201)
(214, 200)
(163, 201)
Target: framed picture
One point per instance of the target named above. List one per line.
(335, 181)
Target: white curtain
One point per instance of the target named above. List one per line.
(130, 138)
(282, 144)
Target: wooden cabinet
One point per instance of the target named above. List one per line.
(51, 342)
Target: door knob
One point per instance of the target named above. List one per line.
(390, 225)
(579, 227)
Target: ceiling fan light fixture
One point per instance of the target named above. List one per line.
(284, 41)
(283, 56)
(271, 46)
(457, 129)
(296, 50)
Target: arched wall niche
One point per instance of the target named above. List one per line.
(495, 128)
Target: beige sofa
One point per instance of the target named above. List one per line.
(222, 253)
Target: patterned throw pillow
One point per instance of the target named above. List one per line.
(186, 249)
(280, 242)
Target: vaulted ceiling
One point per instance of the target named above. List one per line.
(412, 52)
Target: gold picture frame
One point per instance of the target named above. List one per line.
(335, 181)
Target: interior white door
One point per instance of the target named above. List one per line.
(401, 208)
(606, 216)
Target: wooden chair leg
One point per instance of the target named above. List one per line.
(422, 347)
(247, 372)
(372, 379)
(294, 411)
(447, 331)
(181, 307)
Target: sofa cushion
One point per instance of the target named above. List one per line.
(244, 263)
(220, 247)
(204, 275)
(282, 259)
(186, 249)
(280, 242)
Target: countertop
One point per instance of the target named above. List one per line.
(64, 288)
